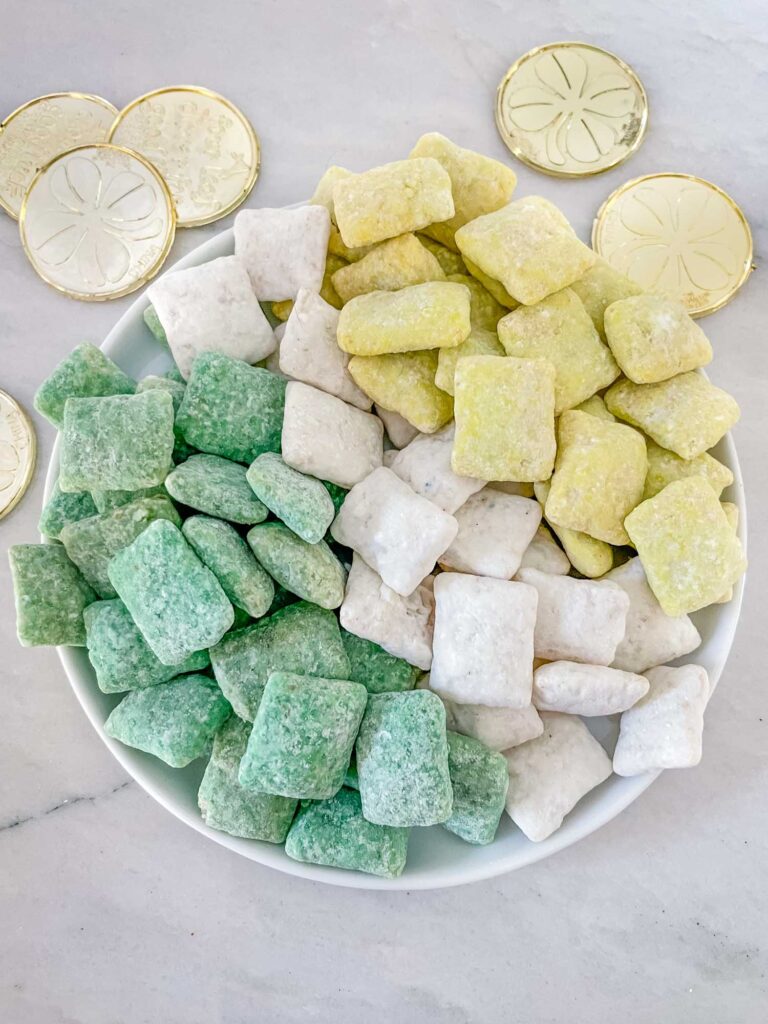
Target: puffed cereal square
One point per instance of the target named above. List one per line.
(529, 246)
(599, 476)
(505, 418)
(559, 329)
(406, 195)
(686, 545)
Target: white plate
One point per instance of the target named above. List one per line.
(436, 858)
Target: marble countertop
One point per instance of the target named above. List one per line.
(112, 911)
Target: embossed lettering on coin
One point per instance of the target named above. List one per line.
(202, 145)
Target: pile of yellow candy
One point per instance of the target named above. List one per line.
(458, 302)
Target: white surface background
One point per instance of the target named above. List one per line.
(111, 911)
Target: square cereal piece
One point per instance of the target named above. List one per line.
(300, 638)
(311, 571)
(85, 373)
(664, 467)
(663, 730)
(301, 502)
(687, 548)
(425, 465)
(588, 556)
(225, 805)
(653, 338)
(393, 264)
(399, 431)
(335, 833)
(479, 343)
(495, 530)
(549, 775)
(92, 543)
(406, 195)
(496, 728)
(586, 690)
(599, 476)
(122, 442)
(217, 487)
(483, 643)
(405, 383)
(529, 246)
(232, 409)
(212, 308)
(303, 736)
(309, 352)
(327, 438)
(121, 657)
(176, 602)
(685, 414)
(479, 184)
(651, 637)
(283, 250)
(50, 596)
(601, 286)
(559, 329)
(219, 546)
(61, 509)
(480, 781)
(402, 760)
(505, 418)
(422, 316)
(577, 620)
(398, 533)
(545, 555)
(378, 671)
(175, 721)
(401, 625)
(450, 261)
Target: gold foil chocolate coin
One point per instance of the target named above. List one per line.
(571, 109)
(37, 132)
(97, 222)
(17, 453)
(204, 147)
(679, 235)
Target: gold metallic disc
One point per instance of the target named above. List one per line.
(18, 449)
(204, 147)
(97, 222)
(571, 110)
(37, 132)
(679, 235)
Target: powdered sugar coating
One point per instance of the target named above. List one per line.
(549, 775)
(577, 620)
(211, 308)
(586, 689)
(327, 438)
(283, 250)
(663, 730)
(403, 626)
(398, 533)
(483, 641)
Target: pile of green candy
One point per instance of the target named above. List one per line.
(196, 567)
